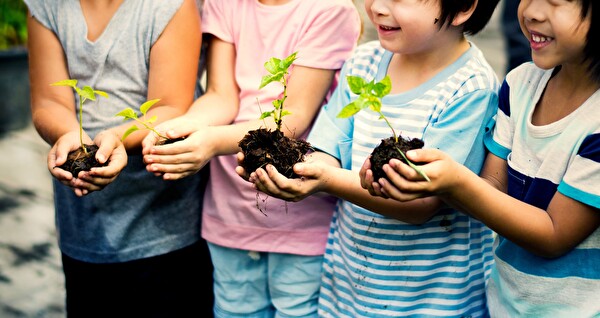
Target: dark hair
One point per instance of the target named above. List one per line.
(480, 17)
(591, 51)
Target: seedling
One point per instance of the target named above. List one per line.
(369, 96)
(263, 146)
(130, 114)
(278, 72)
(84, 93)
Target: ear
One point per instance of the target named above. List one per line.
(465, 15)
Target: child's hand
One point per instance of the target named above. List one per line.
(111, 149)
(368, 182)
(182, 158)
(403, 183)
(58, 154)
(270, 181)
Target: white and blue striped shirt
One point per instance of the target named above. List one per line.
(376, 266)
(563, 156)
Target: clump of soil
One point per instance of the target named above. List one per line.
(263, 146)
(168, 141)
(388, 149)
(78, 160)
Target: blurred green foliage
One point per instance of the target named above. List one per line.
(13, 23)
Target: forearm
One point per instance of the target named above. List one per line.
(52, 123)
(345, 184)
(522, 223)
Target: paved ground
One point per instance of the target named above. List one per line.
(30, 271)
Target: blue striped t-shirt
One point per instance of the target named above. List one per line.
(376, 266)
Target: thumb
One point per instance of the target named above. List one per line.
(424, 155)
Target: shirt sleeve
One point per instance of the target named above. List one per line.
(330, 37)
(331, 134)
(499, 141)
(460, 128)
(216, 19)
(582, 178)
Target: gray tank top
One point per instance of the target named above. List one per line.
(138, 215)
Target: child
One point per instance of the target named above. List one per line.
(133, 248)
(265, 265)
(540, 186)
(385, 258)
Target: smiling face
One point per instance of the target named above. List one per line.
(406, 26)
(555, 30)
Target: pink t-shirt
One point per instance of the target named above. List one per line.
(324, 33)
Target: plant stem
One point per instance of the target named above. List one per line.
(150, 128)
(81, 100)
(390, 125)
(278, 121)
(412, 165)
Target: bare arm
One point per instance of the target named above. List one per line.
(173, 70)
(547, 233)
(322, 173)
(205, 142)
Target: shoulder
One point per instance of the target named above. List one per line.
(365, 60)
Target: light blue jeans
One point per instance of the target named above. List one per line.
(264, 285)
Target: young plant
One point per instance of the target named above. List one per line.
(263, 146)
(369, 96)
(278, 72)
(130, 114)
(85, 93)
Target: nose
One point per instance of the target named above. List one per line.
(531, 10)
(378, 7)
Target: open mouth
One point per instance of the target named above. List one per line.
(540, 39)
(387, 28)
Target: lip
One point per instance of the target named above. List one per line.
(538, 41)
(386, 30)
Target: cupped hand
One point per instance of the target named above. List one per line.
(182, 158)
(404, 183)
(111, 150)
(367, 181)
(58, 154)
(270, 181)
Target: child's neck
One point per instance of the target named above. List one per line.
(408, 71)
(274, 2)
(97, 14)
(565, 92)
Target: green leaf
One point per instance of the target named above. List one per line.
(277, 103)
(68, 82)
(373, 103)
(101, 93)
(129, 131)
(272, 65)
(356, 84)
(383, 87)
(270, 78)
(285, 64)
(127, 113)
(145, 106)
(152, 119)
(88, 93)
(285, 113)
(349, 110)
(266, 115)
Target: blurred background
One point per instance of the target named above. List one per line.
(31, 282)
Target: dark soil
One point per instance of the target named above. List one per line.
(388, 149)
(78, 160)
(168, 141)
(263, 146)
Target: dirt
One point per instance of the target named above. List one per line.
(263, 146)
(388, 149)
(78, 160)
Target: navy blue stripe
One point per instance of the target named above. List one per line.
(590, 148)
(535, 191)
(503, 98)
(577, 263)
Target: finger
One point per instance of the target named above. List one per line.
(425, 155)
(391, 191)
(241, 172)
(240, 158)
